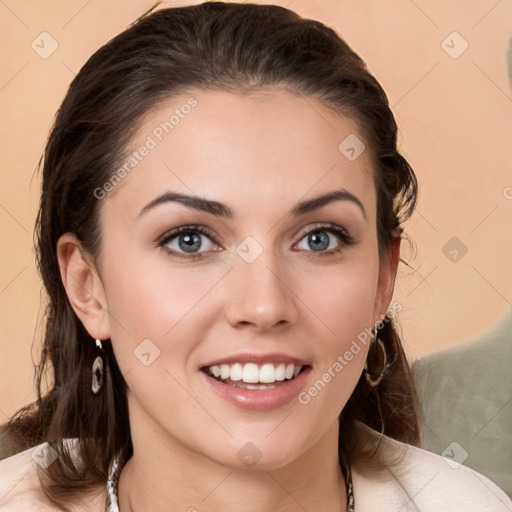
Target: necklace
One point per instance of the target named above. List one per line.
(112, 483)
(115, 469)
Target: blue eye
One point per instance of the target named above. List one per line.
(187, 241)
(318, 239)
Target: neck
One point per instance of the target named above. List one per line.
(164, 475)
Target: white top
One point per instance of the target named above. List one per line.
(421, 482)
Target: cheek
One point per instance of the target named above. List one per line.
(340, 304)
(341, 298)
(150, 299)
(158, 310)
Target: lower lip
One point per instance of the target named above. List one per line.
(259, 399)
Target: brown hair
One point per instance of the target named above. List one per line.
(236, 47)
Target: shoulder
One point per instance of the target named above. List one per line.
(422, 481)
(20, 487)
(18, 480)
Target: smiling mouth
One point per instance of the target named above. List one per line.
(254, 376)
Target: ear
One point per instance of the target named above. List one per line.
(386, 281)
(83, 286)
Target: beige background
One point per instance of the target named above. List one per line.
(454, 114)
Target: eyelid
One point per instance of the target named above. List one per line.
(326, 226)
(340, 232)
(171, 233)
(163, 240)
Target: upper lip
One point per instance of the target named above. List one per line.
(250, 357)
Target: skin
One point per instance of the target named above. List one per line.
(259, 154)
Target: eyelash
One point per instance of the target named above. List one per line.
(327, 228)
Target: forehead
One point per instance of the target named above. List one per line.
(266, 146)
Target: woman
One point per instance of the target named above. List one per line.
(219, 235)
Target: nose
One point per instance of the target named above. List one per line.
(260, 296)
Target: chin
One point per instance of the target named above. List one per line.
(257, 454)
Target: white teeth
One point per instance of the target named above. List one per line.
(253, 386)
(281, 372)
(224, 371)
(236, 372)
(267, 373)
(251, 373)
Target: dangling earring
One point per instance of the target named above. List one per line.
(375, 382)
(97, 370)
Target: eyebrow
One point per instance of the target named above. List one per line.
(222, 210)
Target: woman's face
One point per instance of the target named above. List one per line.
(250, 295)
